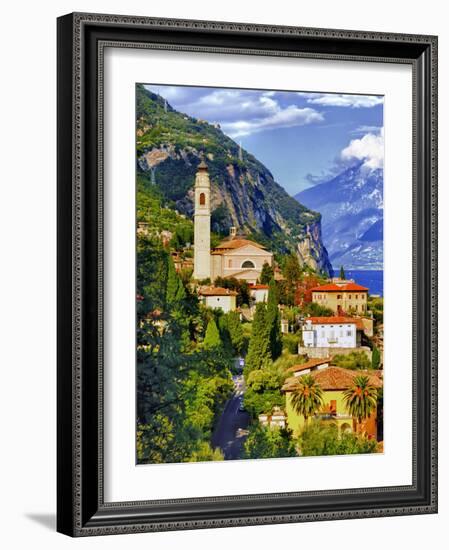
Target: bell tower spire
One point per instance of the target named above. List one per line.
(202, 263)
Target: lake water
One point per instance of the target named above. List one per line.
(374, 280)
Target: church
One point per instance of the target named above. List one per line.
(233, 257)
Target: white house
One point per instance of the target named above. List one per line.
(259, 293)
(217, 297)
(331, 332)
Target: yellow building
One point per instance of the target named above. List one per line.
(333, 381)
(342, 297)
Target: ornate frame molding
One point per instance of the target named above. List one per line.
(81, 42)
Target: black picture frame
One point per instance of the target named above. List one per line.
(81, 510)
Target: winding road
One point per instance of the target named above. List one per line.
(227, 435)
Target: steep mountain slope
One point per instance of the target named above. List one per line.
(244, 193)
(351, 205)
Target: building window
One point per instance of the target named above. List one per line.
(229, 263)
(202, 199)
(356, 296)
(348, 333)
(339, 296)
(248, 264)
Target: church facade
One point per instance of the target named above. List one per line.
(233, 257)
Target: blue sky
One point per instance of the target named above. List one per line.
(301, 137)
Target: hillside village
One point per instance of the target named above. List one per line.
(244, 352)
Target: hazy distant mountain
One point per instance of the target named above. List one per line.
(351, 205)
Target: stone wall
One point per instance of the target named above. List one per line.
(320, 353)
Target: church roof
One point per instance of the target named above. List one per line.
(233, 244)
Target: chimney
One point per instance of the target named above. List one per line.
(233, 232)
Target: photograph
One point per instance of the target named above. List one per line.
(259, 274)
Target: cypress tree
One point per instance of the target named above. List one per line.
(175, 292)
(259, 353)
(212, 338)
(236, 332)
(274, 320)
(266, 274)
(342, 273)
(375, 358)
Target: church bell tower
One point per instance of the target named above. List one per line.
(202, 263)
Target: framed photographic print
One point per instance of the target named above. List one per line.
(246, 274)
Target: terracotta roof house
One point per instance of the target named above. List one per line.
(333, 381)
(341, 297)
(217, 297)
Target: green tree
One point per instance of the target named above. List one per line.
(360, 399)
(319, 439)
(175, 292)
(291, 342)
(307, 398)
(274, 321)
(266, 274)
(205, 453)
(212, 338)
(263, 391)
(292, 273)
(264, 442)
(259, 355)
(236, 332)
(342, 273)
(375, 358)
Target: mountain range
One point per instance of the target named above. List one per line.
(351, 206)
(244, 194)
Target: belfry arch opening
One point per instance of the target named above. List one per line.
(202, 199)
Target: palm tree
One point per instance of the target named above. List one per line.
(360, 398)
(307, 398)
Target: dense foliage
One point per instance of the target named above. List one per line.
(264, 442)
(356, 360)
(320, 439)
(182, 381)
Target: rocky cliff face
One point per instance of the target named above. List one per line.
(244, 192)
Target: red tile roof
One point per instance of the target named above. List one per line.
(216, 291)
(348, 287)
(309, 364)
(336, 320)
(336, 378)
(258, 287)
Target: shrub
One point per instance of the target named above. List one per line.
(290, 343)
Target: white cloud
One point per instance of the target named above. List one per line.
(232, 105)
(342, 100)
(282, 118)
(239, 112)
(369, 148)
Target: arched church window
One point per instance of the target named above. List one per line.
(202, 199)
(248, 264)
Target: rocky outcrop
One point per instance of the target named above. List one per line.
(244, 192)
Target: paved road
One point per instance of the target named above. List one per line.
(225, 435)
